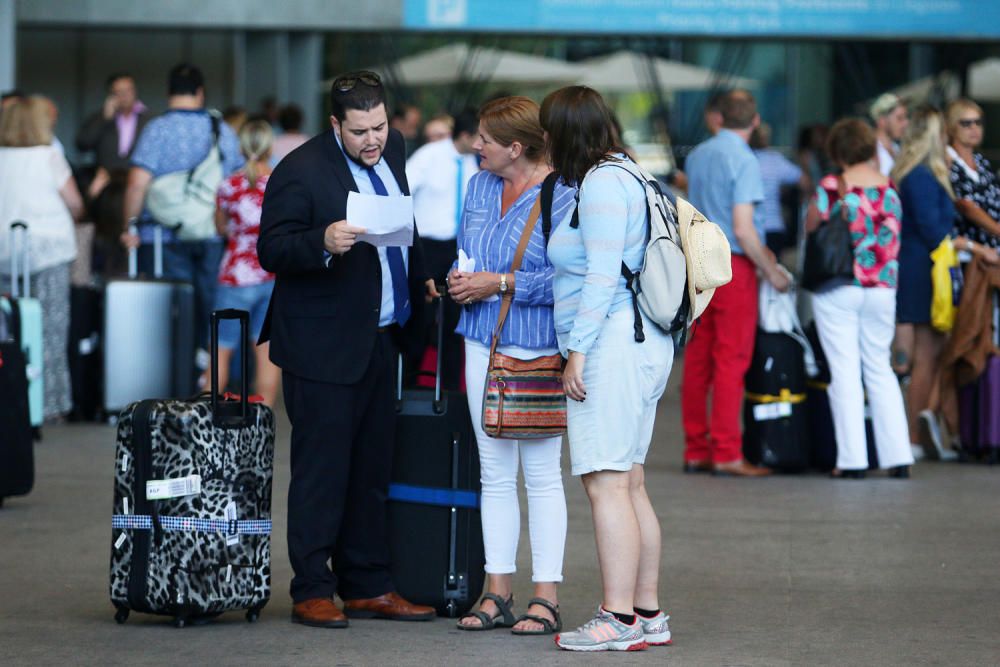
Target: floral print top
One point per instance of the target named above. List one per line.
(242, 203)
(981, 187)
(874, 215)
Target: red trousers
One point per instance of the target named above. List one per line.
(715, 361)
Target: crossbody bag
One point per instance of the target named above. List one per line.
(523, 398)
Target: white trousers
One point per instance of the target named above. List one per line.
(856, 327)
(498, 460)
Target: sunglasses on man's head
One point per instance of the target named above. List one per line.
(969, 122)
(347, 83)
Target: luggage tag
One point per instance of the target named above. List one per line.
(120, 541)
(770, 411)
(124, 461)
(158, 489)
(124, 505)
(233, 537)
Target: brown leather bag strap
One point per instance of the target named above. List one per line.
(529, 228)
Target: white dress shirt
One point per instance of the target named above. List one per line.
(434, 172)
(365, 187)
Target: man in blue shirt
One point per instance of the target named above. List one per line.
(726, 185)
(178, 141)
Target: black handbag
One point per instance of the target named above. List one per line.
(830, 249)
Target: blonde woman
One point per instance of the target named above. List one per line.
(37, 186)
(929, 216)
(243, 284)
(977, 190)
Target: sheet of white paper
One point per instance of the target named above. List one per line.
(388, 221)
(467, 264)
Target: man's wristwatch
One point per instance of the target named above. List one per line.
(503, 283)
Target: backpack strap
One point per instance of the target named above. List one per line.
(547, 194)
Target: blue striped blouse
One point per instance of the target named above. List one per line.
(491, 239)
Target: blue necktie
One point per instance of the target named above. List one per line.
(459, 182)
(397, 269)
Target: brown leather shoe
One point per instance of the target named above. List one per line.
(319, 613)
(739, 469)
(697, 466)
(389, 606)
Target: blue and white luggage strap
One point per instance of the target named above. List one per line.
(189, 524)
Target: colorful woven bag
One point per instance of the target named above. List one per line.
(523, 398)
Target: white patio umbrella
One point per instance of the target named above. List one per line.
(455, 62)
(624, 71)
(984, 80)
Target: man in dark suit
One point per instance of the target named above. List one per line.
(339, 313)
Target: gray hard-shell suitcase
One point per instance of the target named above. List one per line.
(149, 336)
(191, 522)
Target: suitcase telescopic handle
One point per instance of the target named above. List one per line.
(20, 271)
(437, 371)
(133, 253)
(221, 416)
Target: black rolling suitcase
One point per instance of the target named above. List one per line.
(84, 353)
(17, 462)
(192, 503)
(434, 500)
(775, 423)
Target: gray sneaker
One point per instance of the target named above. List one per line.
(604, 632)
(655, 630)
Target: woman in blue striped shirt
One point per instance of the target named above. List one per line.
(612, 381)
(497, 206)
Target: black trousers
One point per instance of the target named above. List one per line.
(342, 440)
(438, 257)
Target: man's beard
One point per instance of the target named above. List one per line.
(358, 161)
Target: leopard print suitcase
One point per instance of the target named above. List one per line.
(192, 509)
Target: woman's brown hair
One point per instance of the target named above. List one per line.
(581, 131)
(851, 141)
(514, 119)
(26, 123)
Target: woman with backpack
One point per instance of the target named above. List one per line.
(612, 381)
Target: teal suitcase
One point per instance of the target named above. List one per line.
(31, 320)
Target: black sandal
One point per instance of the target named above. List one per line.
(548, 627)
(504, 619)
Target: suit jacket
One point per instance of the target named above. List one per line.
(101, 136)
(322, 319)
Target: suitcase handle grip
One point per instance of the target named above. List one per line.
(220, 415)
(24, 273)
(133, 253)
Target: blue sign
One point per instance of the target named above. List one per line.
(936, 19)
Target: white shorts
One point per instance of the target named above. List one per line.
(624, 380)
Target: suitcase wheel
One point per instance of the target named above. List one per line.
(253, 615)
(179, 622)
(121, 615)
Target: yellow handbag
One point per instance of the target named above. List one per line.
(944, 287)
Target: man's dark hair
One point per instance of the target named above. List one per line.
(290, 118)
(185, 79)
(581, 132)
(738, 110)
(110, 81)
(361, 97)
(714, 102)
(467, 122)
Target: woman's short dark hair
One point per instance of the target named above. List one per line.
(851, 141)
(581, 131)
(362, 95)
(185, 79)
